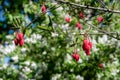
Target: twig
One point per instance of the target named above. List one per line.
(100, 33)
(107, 33)
(33, 21)
(88, 7)
(102, 3)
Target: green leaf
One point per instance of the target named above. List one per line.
(44, 28)
(28, 32)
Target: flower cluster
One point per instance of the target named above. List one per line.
(75, 56)
(87, 45)
(19, 39)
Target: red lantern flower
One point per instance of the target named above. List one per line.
(75, 56)
(67, 19)
(81, 15)
(16, 41)
(87, 45)
(100, 18)
(100, 65)
(78, 25)
(87, 51)
(44, 9)
(19, 39)
(90, 44)
(19, 36)
(21, 42)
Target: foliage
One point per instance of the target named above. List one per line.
(50, 41)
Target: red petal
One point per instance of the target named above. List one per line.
(76, 56)
(78, 25)
(16, 41)
(19, 36)
(100, 19)
(44, 9)
(81, 15)
(21, 42)
(101, 65)
(87, 52)
(90, 44)
(85, 45)
(67, 19)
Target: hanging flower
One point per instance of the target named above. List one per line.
(78, 25)
(100, 65)
(16, 42)
(67, 19)
(81, 15)
(100, 18)
(44, 9)
(21, 42)
(75, 56)
(19, 36)
(19, 39)
(87, 45)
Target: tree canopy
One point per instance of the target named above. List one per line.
(59, 39)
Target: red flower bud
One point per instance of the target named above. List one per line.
(19, 36)
(73, 55)
(67, 19)
(19, 39)
(81, 15)
(21, 42)
(87, 51)
(100, 65)
(90, 44)
(16, 41)
(87, 45)
(100, 19)
(76, 56)
(44, 9)
(78, 25)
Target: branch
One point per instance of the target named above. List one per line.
(112, 33)
(107, 33)
(88, 7)
(34, 19)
